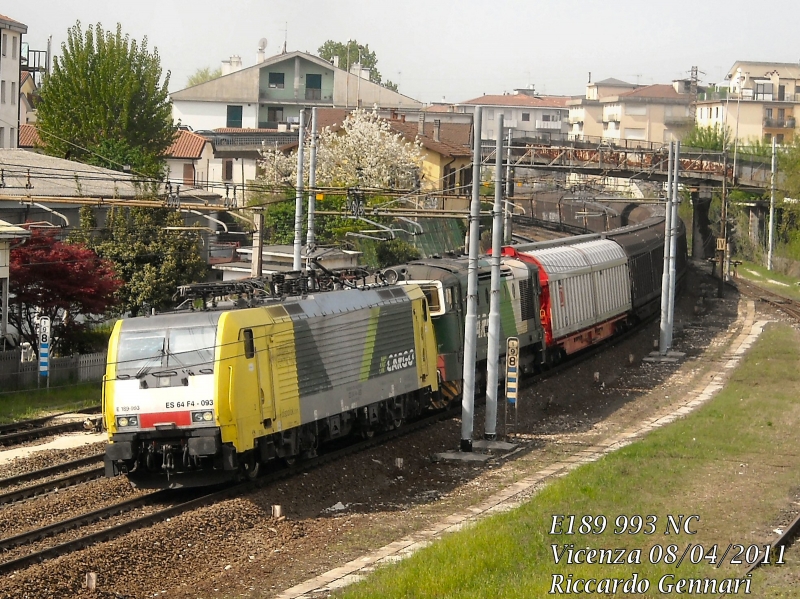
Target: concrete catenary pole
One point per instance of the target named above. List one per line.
(312, 182)
(471, 319)
(723, 225)
(507, 229)
(493, 351)
(673, 242)
(771, 237)
(662, 343)
(258, 244)
(298, 200)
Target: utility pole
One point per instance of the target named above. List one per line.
(673, 243)
(298, 199)
(258, 244)
(663, 339)
(771, 237)
(509, 208)
(493, 350)
(471, 319)
(312, 182)
(722, 240)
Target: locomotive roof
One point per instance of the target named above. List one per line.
(168, 321)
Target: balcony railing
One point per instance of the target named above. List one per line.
(780, 123)
(679, 120)
(576, 118)
(548, 124)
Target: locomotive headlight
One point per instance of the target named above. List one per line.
(122, 421)
(205, 416)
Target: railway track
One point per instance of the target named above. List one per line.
(50, 485)
(28, 430)
(205, 498)
(788, 306)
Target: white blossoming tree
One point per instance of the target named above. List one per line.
(363, 151)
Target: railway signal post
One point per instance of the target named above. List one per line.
(44, 348)
(512, 378)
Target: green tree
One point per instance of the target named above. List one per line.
(707, 138)
(105, 102)
(202, 75)
(151, 259)
(395, 251)
(349, 54)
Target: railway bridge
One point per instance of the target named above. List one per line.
(701, 170)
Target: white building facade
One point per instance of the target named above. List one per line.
(11, 33)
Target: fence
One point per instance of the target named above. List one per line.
(18, 374)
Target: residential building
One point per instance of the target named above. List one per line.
(760, 101)
(526, 113)
(446, 144)
(271, 93)
(27, 98)
(11, 33)
(614, 111)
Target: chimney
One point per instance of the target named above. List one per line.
(232, 65)
(437, 125)
(261, 56)
(421, 125)
(336, 61)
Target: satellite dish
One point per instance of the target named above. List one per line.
(262, 43)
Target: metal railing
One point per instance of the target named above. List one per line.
(788, 123)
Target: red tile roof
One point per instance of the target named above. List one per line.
(24, 77)
(187, 145)
(520, 100)
(29, 136)
(659, 90)
(10, 20)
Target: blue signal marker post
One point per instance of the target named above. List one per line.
(512, 377)
(44, 348)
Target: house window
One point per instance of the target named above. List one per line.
(227, 170)
(12, 138)
(234, 117)
(276, 80)
(313, 87)
(526, 116)
(5, 43)
(779, 138)
(768, 112)
(716, 112)
(546, 118)
(781, 112)
(2, 92)
(2, 137)
(490, 114)
(13, 92)
(275, 115)
(13, 46)
(768, 137)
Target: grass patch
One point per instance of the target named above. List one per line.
(726, 463)
(34, 403)
(764, 277)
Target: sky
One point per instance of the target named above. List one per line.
(452, 50)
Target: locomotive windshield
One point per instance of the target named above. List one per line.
(433, 293)
(166, 348)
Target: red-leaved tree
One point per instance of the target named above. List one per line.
(67, 282)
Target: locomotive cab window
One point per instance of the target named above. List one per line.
(434, 293)
(249, 343)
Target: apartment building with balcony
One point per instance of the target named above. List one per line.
(616, 111)
(527, 114)
(271, 93)
(761, 101)
(11, 33)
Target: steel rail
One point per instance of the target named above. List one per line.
(788, 305)
(59, 483)
(44, 431)
(36, 422)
